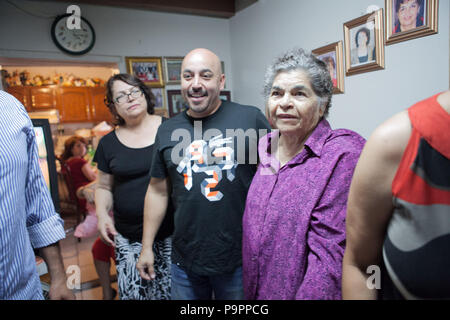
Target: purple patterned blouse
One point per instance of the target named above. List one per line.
(294, 220)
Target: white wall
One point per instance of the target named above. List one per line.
(120, 32)
(414, 70)
(247, 43)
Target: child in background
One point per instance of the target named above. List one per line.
(83, 177)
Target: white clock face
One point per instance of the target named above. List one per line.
(75, 40)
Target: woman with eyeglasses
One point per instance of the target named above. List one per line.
(124, 159)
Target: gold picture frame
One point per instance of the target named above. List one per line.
(370, 30)
(333, 56)
(172, 70)
(147, 69)
(426, 21)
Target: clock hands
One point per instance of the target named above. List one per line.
(74, 41)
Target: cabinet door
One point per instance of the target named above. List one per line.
(99, 110)
(22, 94)
(74, 104)
(43, 97)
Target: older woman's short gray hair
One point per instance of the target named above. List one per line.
(317, 70)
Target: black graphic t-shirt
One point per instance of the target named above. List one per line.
(210, 163)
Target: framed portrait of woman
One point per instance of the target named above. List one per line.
(364, 43)
(332, 55)
(410, 19)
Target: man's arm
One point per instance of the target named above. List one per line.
(155, 206)
(370, 206)
(58, 287)
(44, 226)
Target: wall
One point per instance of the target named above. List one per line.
(248, 42)
(120, 32)
(414, 70)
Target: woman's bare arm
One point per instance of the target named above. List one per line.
(370, 207)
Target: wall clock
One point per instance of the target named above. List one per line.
(75, 41)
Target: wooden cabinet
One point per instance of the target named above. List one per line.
(35, 98)
(75, 104)
(22, 94)
(99, 110)
(42, 98)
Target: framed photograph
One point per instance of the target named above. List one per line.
(225, 95)
(176, 102)
(333, 56)
(172, 70)
(160, 105)
(147, 69)
(364, 43)
(410, 19)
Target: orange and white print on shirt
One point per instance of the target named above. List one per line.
(196, 160)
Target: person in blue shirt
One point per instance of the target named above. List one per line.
(27, 216)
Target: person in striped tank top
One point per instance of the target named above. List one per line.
(398, 218)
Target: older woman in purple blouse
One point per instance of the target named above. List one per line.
(294, 221)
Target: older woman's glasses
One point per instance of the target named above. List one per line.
(123, 97)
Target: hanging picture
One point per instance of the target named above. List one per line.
(172, 70)
(225, 95)
(332, 55)
(410, 19)
(364, 43)
(147, 69)
(160, 105)
(176, 103)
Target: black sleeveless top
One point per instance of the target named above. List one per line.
(130, 168)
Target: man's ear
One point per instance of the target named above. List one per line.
(222, 82)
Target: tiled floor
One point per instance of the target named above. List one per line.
(78, 253)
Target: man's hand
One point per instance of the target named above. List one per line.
(145, 264)
(58, 281)
(59, 290)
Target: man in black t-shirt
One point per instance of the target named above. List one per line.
(205, 158)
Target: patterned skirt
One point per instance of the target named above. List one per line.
(131, 285)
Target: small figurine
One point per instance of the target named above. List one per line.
(47, 81)
(24, 76)
(16, 78)
(37, 80)
(90, 83)
(5, 78)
